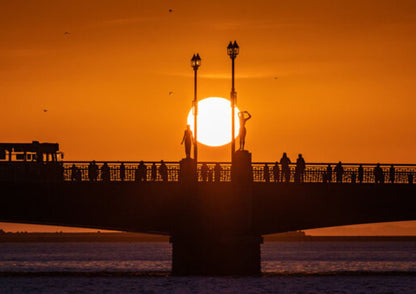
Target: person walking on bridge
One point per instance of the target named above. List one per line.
(284, 162)
(360, 174)
(392, 174)
(217, 172)
(204, 172)
(105, 173)
(122, 172)
(300, 168)
(339, 172)
(163, 171)
(154, 172)
(93, 171)
(276, 172)
(378, 174)
(187, 139)
(328, 173)
(141, 172)
(266, 173)
(74, 172)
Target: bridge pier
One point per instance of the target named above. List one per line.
(216, 255)
(218, 238)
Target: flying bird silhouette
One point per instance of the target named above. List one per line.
(171, 93)
(170, 10)
(45, 110)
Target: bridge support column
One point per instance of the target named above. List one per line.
(218, 236)
(216, 255)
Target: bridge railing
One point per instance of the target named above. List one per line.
(207, 172)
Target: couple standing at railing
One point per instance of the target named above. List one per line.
(282, 173)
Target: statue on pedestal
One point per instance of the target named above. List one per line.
(187, 138)
(244, 116)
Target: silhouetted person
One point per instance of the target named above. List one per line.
(105, 172)
(154, 172)
(300, 168)
(284, 162)
(210, 175)
(163, 171)
(329, 173)
(378, 174)
(187, 138)
(204, 172)
(141, 172)
(276, 172)
(392, 174)
(92, 171)
(243, 119)
(78, 175)
(339, 172)
(324, 177)
(410, 177)
(217, 172)
(360, 174)
(122, 172)
(266, 173)
(353, 177)
(74, 171)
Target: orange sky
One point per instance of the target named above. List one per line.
(345, 86)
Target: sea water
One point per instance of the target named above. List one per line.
(289, 267)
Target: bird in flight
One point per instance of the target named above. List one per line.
(170, 10)
(45, 110)
(171, 93)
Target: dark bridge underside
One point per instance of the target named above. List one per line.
(172, 208)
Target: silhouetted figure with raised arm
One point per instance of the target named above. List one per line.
(243, 119)
(217, 172)
(163, 171)
(74, 171)
(187, 139)
(105, 172)
(92, 171)
(329, 174)
(154, 172)
(276, 172)
(339, 172)
(392, 174)
(378, 174)
(300, 168)
(141, 172)
(122, 172)
(204, 172)
(360, 174)
(284, 162)
(266, 173)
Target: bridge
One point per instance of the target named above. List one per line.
(215, 216)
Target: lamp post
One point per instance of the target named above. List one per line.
(195, 63)
(232, 50)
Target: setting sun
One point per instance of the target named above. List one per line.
(214, 121)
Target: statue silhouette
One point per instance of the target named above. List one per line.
(187, 138)
(243, 131)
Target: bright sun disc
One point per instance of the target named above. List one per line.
(214, 121)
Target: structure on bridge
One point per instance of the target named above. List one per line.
(215, 213)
